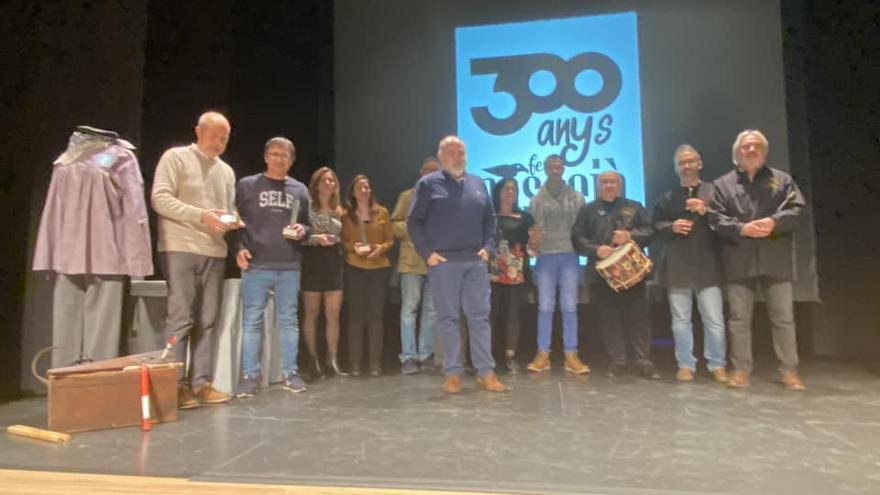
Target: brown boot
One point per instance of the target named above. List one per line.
(207, 394)
(792, 381)
(574, 364)
(185, 399)
(720, 375)
(738, 379)
(541, 362)
(684, 375)
(491, 383)
(452, 384)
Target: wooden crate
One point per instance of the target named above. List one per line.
(107, 394)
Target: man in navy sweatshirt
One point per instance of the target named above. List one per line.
(275, 211)
(452, 225)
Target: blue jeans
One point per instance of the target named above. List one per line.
(414, 288)
(463, 286)
(255, 287)
(551, 271)
(711, 305)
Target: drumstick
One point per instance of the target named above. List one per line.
(168, 346)
(38, 434)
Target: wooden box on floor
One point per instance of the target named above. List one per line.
(107, 394)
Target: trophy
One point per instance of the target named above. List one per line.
(229, 216)
(289, 232)
(362, 248)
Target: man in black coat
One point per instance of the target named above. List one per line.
(600, 226)
(690, 267)
(754, 210)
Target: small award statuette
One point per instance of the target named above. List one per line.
(289, 232)
(229, 216)
(362, 248)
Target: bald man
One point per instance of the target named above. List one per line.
(600, 226)
(192, 194)
(452, 226)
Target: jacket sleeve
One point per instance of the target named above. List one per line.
(166, 183)
(663, 219)
(581, 235)
(240, 192)
(721, 217)
(642, 231)
(490, 222)
(416, 221)
(398, 217)
(388, 232)
(136, 246)
(786, 218)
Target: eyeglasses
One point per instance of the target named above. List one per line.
(283, 156)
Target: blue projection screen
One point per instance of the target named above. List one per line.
(568, 86)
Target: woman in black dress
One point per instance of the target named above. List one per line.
(322, 268)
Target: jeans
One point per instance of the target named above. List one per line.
(414, 288)
(711, 305)
(780, 307)
(463, 286)
(255, 287)
(562, 270)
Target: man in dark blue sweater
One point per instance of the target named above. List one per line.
(452, 225)
(275, 211)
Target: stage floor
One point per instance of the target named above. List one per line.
(551, 434)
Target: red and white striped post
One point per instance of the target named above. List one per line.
(146, 422)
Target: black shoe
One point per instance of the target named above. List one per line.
(428, 366)
(333, 367)
(409, 367)
(614, 370)
(315, 372)
(513, 368)
(648, 372)
(375, 370)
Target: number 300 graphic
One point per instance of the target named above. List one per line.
(514, 72)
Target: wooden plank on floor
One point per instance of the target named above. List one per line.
(54, 483)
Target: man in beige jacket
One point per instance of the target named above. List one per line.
(415, 350)
(193, 193)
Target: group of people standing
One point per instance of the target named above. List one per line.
(464, 263)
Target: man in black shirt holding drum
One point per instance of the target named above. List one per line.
(604, 229)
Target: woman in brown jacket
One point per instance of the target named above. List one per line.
(366, 238)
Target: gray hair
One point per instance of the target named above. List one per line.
(280, 141)
(211, 118)
(681, 149)
(446, 140)
(742, 137)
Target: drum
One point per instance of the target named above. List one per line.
(625, 267)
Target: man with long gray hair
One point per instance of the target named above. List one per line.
(755, 210)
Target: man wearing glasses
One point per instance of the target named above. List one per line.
(275, 211)
(690, 267)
